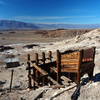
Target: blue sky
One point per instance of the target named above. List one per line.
(51, 11)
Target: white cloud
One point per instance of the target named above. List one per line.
(50, 17)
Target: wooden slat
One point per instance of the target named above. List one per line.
(74, 60)
(74, 69)
(69, 62)
(74, 55)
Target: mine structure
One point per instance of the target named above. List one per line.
(69, 66)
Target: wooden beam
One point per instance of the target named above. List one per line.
(43, 57)
(66, 79)
(53, 81)
(39, 69)
(62, 91)
(79, 67)
(50, 56)
(36, 58)
(58, 66)
(29, 72)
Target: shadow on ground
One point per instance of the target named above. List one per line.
(76, 93)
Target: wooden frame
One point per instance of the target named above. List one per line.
(79, 62)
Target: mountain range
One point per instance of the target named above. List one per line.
(11, 24)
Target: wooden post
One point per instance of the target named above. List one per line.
(34, 70)
(37, 58)
(79, 66)
(58, 66)
(29, 72)
(93, 62)
(50, 56)
(90, 73)
(43, 59)
(94, 53)
(11, 79)
(50, 59)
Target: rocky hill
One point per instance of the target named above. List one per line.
(9, 24)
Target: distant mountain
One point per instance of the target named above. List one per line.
(68, 26)
(10, 24)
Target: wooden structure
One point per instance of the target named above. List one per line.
(79, 62)
(69, 65)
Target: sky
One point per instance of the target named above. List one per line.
(51, 11)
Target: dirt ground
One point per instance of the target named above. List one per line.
(31, 36)
(44, 41)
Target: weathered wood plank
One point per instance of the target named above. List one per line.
(58, 66)
(66, 79)
(69, 69)
(29, 71)
(69, 62)
(40, 69)
(52, 80)
(74, 55)
(62, 91)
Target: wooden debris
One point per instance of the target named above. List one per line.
(66, 79)
(62, 91)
